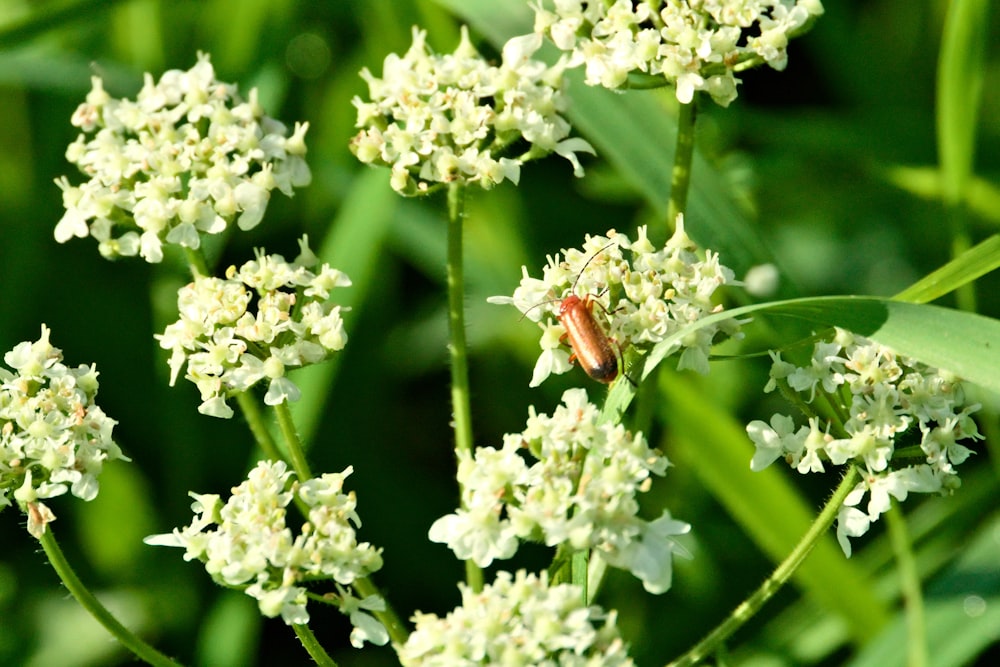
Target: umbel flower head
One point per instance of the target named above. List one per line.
(247, 543)
(566, 479)
(187, 157)
(903, 425)
(517, 620)
(641, 296)
(695, 45)
(262, 319)
(454, 117)
(53, 437)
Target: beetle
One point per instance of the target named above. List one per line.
(598, 354)
(595, 351)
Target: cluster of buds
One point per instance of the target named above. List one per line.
(454, 117)
(187, 157)
(245, 542)
(262, 319)
(580, 488)
(53, 438)
(901, 425)
(695, 45)
(517, 620)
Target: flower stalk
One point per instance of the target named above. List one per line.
(94, 607)
(292, 441)
(312, 646)
(714, 640)
(255, 422)
(680, 178)
(458, 347)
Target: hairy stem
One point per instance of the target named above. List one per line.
(680, 178)
(313, 647)
(94, 607)
(457, 347)
(714, 640)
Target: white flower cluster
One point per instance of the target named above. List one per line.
(519, 620)
(245, 542)
(639, 301)
(696, 45)
(581, 490)
(53, 438)
(253, 325)
(443, 118)
(187, 157)
(902, 423)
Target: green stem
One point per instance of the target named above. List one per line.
(579, 568)
(458, 349)
(595, 576)
(746, 609)
(86, 599)
(680, 178)
(313, 647)
(916, 643)
(196, 261)
(965, 295)
(292, 442)
(255, 421)
(388, 617)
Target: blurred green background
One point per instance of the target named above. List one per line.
(825, 169)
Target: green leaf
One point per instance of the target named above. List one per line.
(982, 197)
(960, 88)
(230, 633)
(967, 267)
(964, 343)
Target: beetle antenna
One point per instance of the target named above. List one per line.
(540, 303)
(587, 263)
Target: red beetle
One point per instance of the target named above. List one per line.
(592, 348)
(597, 353)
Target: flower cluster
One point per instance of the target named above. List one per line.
(519, 620)
(640, 300)
(580, 490)
(53, 437)
(902, 423)
(442, 118)
(245, 542)
(695, 44)
(187, 157)
(253, 325)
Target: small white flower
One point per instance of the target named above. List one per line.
(228, 347)
(517, 620)
(565, 479)
(54, 439)
(246, 543)
(887, 396)
(439, 118)
(775, 440)
(187, 157)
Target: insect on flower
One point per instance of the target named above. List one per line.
(597, 353)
